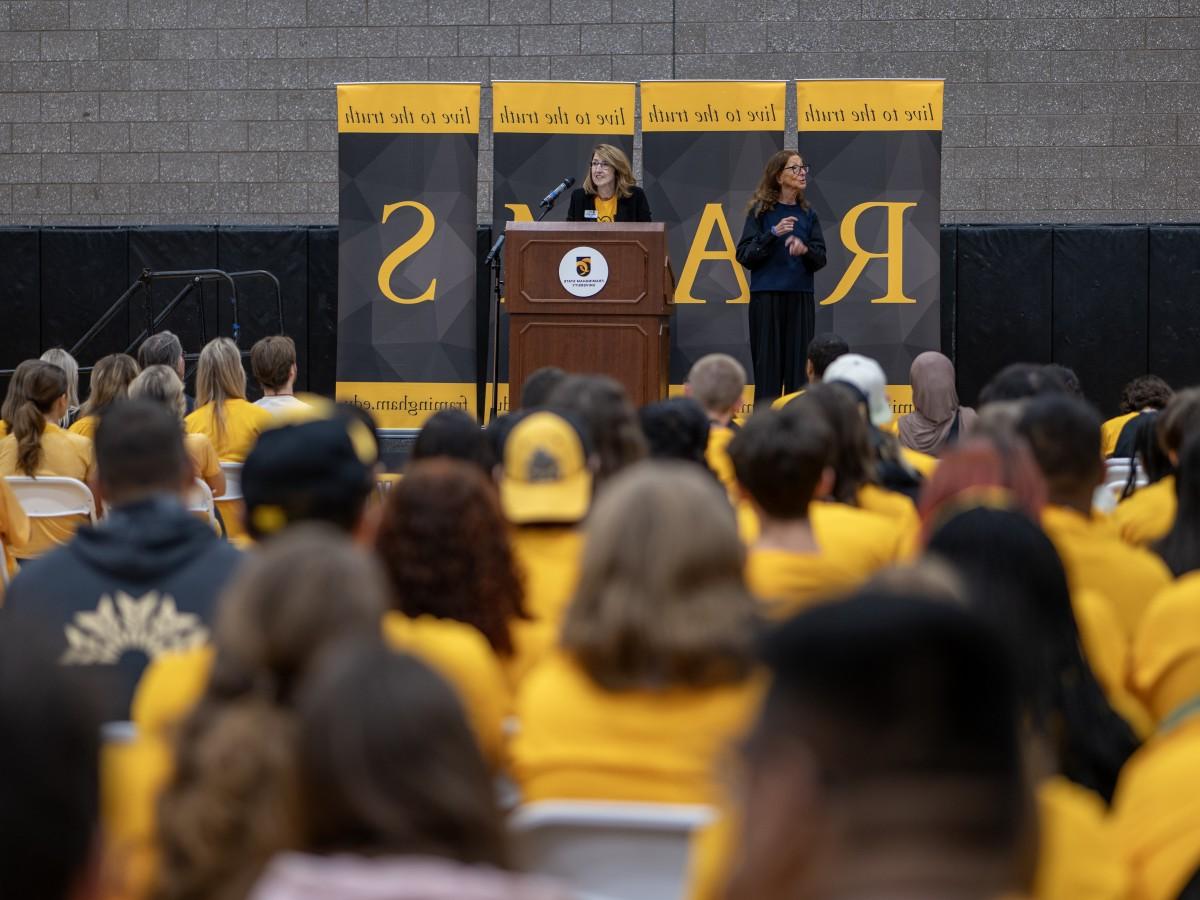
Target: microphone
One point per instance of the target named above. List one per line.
(549, 199)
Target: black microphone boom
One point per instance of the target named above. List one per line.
(549, 199)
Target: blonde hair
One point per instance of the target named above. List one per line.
(622, 169)
(220, 378)
(57, 356)
(161, 384)
(661, 600)
(111, 377)
(717, 381)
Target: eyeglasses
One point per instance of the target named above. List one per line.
(600, 164)
(796, 170)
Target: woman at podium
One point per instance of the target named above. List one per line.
(610, 192)
(782, 246)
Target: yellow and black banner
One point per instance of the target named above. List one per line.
(543, 132)
(408, 157)
(875, 151)
(704, 145)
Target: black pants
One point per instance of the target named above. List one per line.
(781, 327)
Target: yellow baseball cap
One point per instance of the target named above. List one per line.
(546, 476)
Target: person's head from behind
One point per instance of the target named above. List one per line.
(1145, 393)
(140, 453)
(388, 765)
(782, 460)
(853, 460)
(453, 434)
(160, 384)
(162, 349)
(310, 471)
(219, 374)
(609, 166)
(219, 823)
(1178, 421)
(111, 377)
(43, 401)
(57, 356)
(611, 422)
(17, 389)
(1180, 547)
(675, 429)
(1020, 381)
(886, 747)
(660, 599)
(822, 350)
(540, 384)
(1070, 381)
(546, 475)
(987, 470)
(866, 376)
(273, 361)
(934, 393)
(444, 544)
(1016, 583)
(716, 382)
(49, 774)
(1064, 435)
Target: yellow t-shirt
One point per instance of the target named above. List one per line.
(1156, 813)
(716, 454)
(788, 582)
(86, 427)
(244, 422)
(1164, 670)
(14, 528)
(548, 558)
(578, 741)
(461, 655)
(1107, 650)
(1110, 432)
(1147, 515)
(861, 540)
(1096, 559)
(781, 402)
(203, 455)
(922, 462)
(897, 507)
(606, 210)
(1079, 853)
(65, 455)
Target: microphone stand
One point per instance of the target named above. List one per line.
(495, 258)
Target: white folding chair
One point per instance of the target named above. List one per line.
(51, 497)
(1116, 476)
(200, 501)
(609, 851)
(233, 481)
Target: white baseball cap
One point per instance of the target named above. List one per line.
(867, 376)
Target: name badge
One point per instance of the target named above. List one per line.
(590, 214)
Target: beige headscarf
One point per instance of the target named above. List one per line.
(935, 405)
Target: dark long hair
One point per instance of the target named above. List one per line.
(853, 458)
(44, 384)
(766, 195)
(1180, 547)
(1017, 583)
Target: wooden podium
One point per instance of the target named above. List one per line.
(589, 298)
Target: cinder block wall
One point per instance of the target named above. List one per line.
(222, 111)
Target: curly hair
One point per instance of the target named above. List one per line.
(444, 543)
(1145, 392)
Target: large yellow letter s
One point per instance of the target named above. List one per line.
(895, 248)
(405, 250)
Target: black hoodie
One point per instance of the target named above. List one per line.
(143, 581)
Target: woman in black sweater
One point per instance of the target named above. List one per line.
(610, 192)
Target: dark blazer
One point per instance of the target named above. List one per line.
(633, 208)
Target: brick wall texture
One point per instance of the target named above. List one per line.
(222, 111)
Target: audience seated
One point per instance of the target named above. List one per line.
(227, 806)
(717, 382)
(1064, 435)
(937, 420)
(223, 413)
(50, 843)
(111, 377)
(15, 530)
(456, 592)
(1180, 547)
(273, 360)
(65, 361)
(822, 350)
(1146, 515)
(653, 675)
(1144, 394)
(677, 429)
(885, 762)
(540, 385)
(37, 446)
(161, 385)
(165, 349)
(1020, 381)
(602, 405)
(1077, 743)
(141, 583)
(782, 459)
(391, 806)
(452, 434)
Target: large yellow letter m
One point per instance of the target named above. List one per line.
(893, 253)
